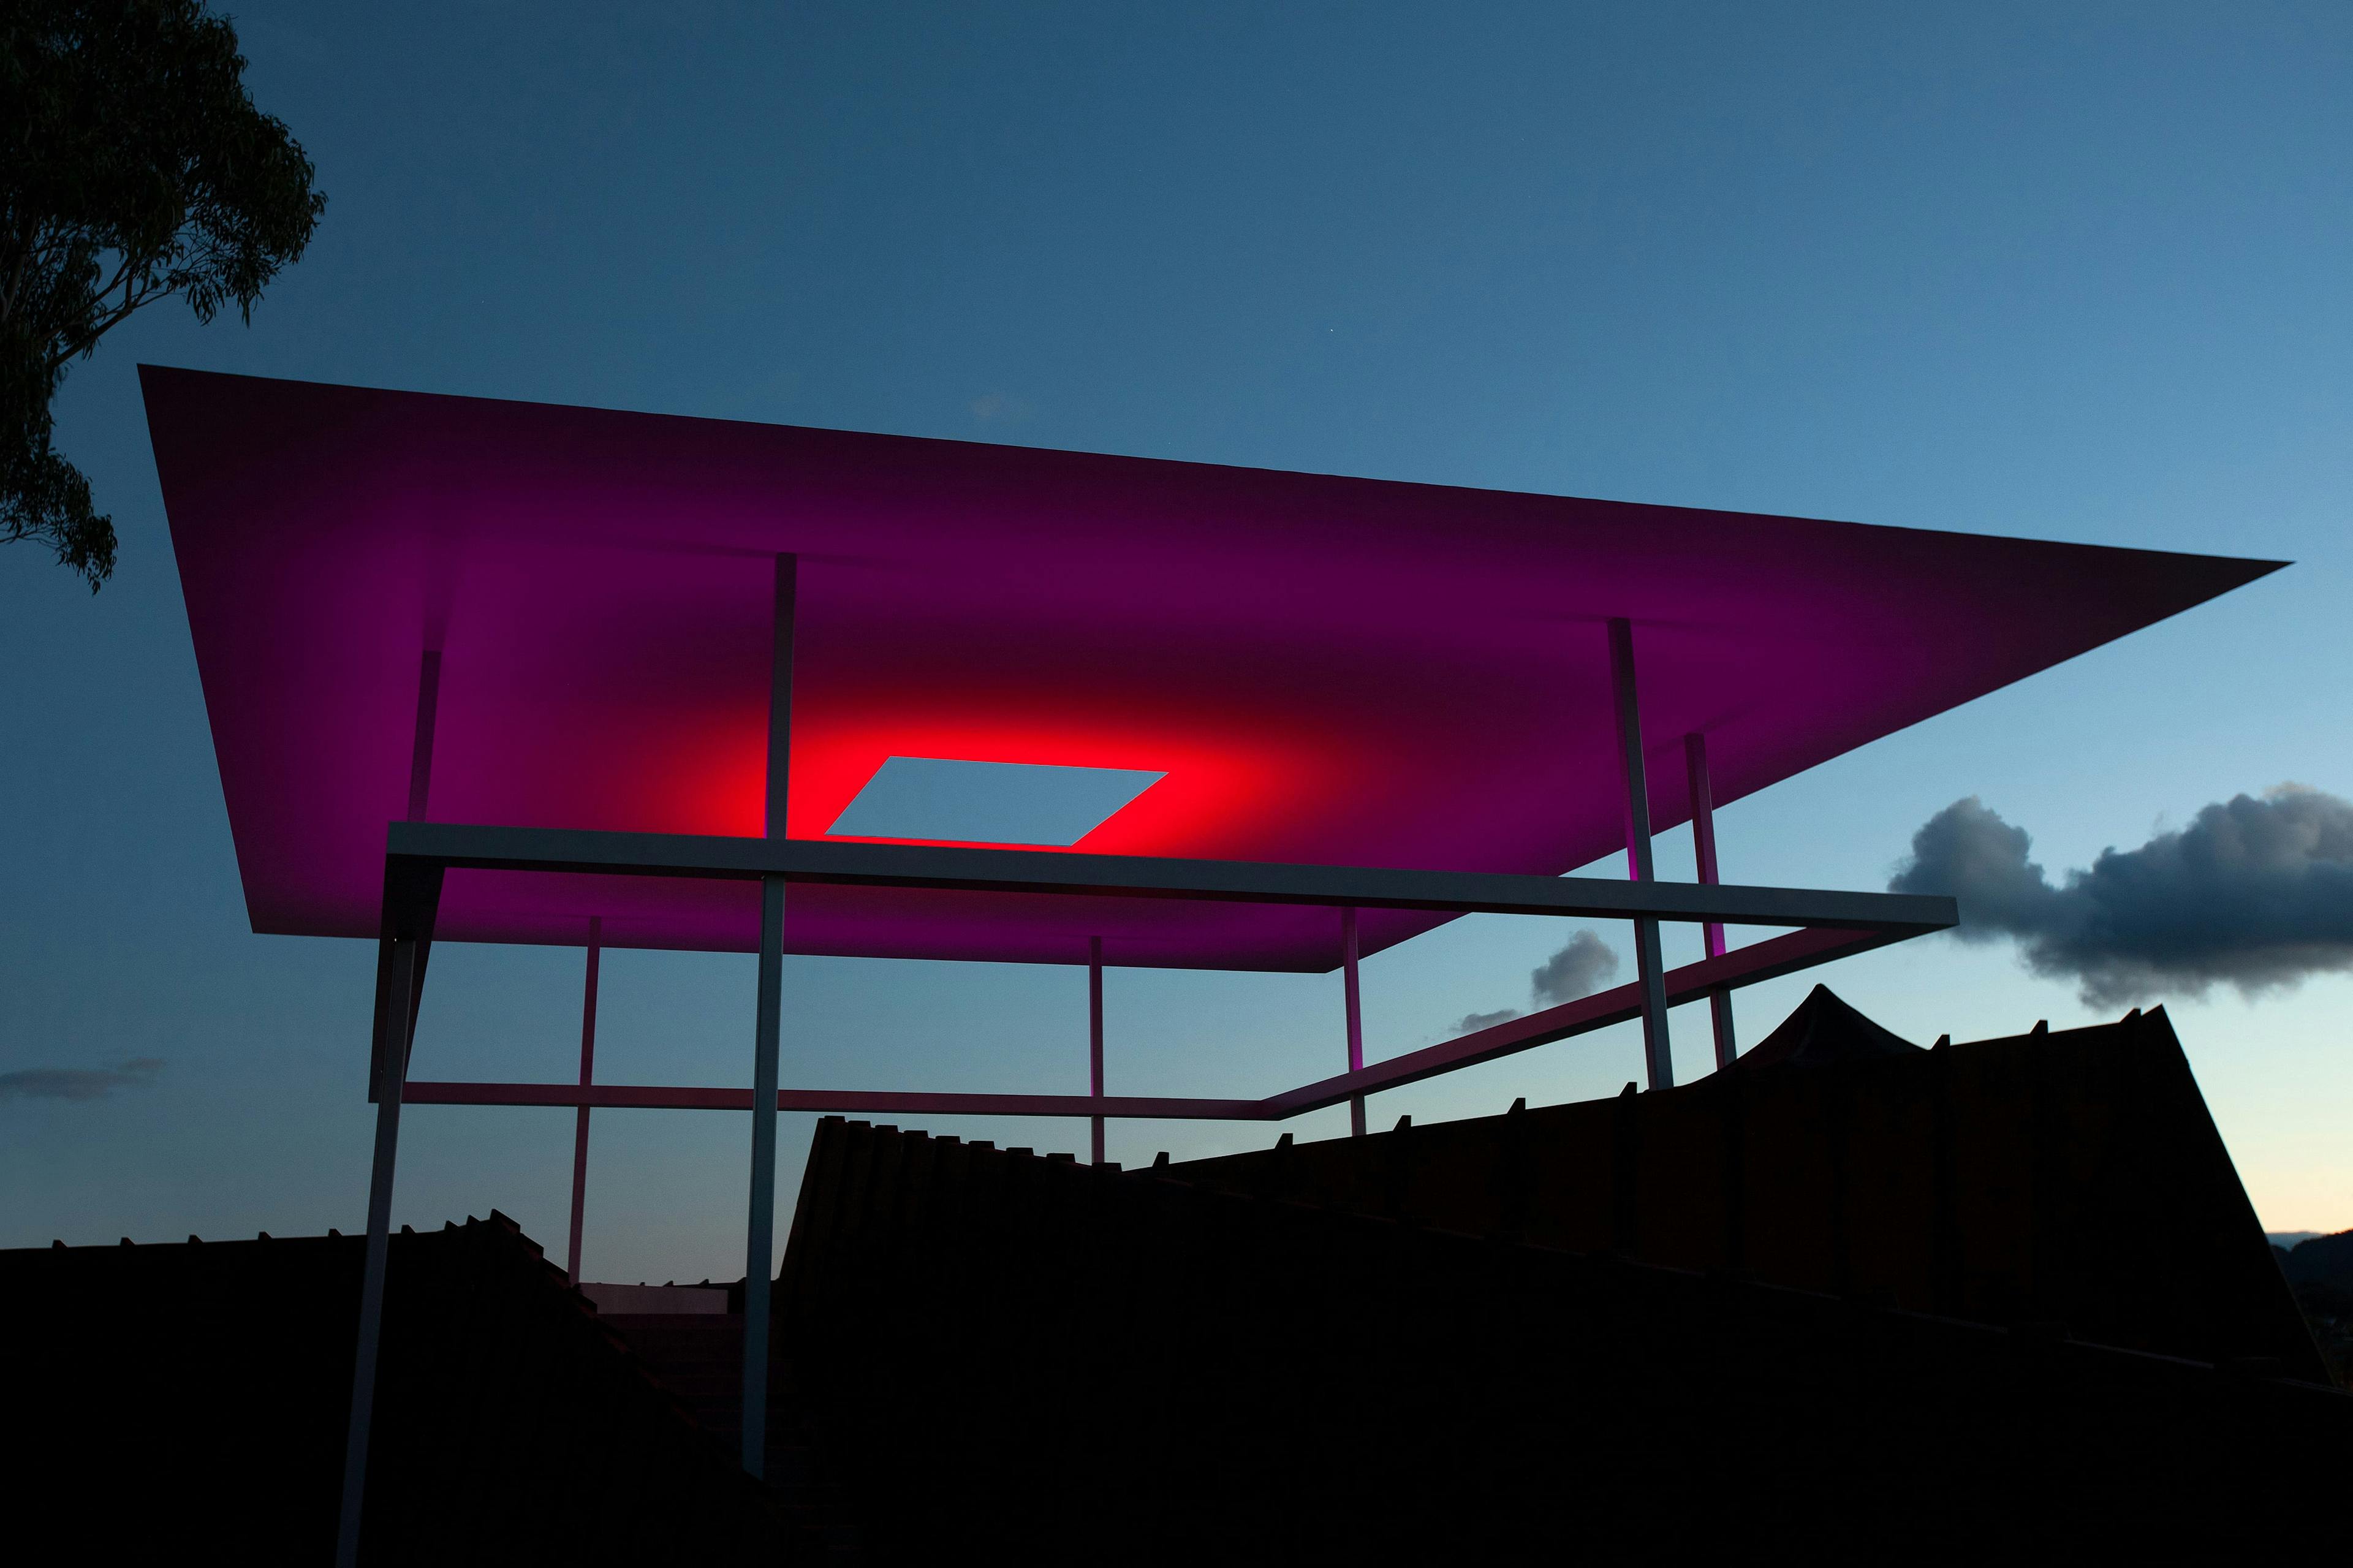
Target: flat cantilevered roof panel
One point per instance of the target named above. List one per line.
(1328, 670)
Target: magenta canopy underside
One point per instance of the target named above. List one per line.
(1330, 670)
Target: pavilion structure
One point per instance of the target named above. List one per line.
(503, 672)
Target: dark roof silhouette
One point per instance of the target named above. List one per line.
(187, 1395)
(2069, 1177)
(2003, 1299)
(1011, 1356)
(1824, 1032)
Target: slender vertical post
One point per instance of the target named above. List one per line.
(587, 1077)
(760, 1237)
(402, 961)
(379, 1241)
(1094, 1036)
(1650, 969)
(760, 1242)
(1703, 816)
(1354, 1004)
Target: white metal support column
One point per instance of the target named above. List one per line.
(1703, 816)
(587, 1077)
(1353, 1003)
(1650, 969)
(760, 1239)
(1094, 1039)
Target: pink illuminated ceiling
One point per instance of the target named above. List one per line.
(1332, 670)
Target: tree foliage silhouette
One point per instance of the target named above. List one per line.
(133, 167)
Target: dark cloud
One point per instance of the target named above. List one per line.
(75, 1083)
(1578, 969)
(2254, 893)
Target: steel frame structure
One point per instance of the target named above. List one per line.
(419, 854)
(1832, 925)
(617, 597)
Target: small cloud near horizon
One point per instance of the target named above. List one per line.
(77, 1083)
(1578, 969)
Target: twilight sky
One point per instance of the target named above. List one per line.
(2074, 273)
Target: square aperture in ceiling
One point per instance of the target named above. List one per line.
(988, 803)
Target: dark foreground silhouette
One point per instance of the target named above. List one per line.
(1851, 1298)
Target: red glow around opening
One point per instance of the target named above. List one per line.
(1210, 794)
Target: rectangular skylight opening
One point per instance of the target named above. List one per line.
(988, 803)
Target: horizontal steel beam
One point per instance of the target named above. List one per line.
(1741, 966)
(1132, 876)
(603, 1095)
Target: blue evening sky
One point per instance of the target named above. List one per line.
(2075, 272)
